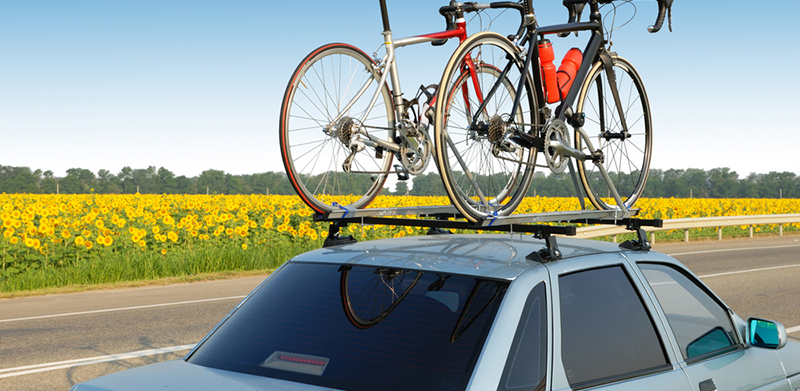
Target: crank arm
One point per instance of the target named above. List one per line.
(565, 150)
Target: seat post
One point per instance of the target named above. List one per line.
(385, 16)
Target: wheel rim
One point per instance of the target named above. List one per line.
(502, 182)
(313, 142)
(627, 159)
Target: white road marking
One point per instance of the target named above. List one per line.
(29, 369)
(792, 329)
(732, 249)
(121, 309)
(748, 271)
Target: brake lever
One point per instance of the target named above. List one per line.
(664, 8)
(446, 11)
(575, 11)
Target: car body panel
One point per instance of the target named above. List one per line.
(178, 375)
(504, 257)
(491, 256)
(492, 361)
(665, 380)
(744, 369)
(790, 357)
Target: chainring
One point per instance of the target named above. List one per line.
(556, 134)
(415, 160)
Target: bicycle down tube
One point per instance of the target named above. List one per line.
(389, 62)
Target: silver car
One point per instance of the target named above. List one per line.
(479, 312)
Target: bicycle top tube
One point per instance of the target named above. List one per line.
(454, 17)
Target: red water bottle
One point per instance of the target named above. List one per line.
(567, 71)
(549, 79)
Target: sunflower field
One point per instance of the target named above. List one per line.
(56, 240)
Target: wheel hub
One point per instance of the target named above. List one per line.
(497, 128)
(344, 129)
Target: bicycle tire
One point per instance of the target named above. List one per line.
(627, 160)
(370, 302)
(484, 175)
(314, 146)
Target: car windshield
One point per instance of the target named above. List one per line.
(358, 328)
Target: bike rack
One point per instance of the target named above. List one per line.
(437, 219)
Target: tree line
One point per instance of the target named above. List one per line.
(677, 183)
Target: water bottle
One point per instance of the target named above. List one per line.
(549, 79)
(567, 71)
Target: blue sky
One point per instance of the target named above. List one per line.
(196, 85)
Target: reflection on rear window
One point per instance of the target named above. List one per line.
(358, 328)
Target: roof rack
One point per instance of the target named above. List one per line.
(521, 223)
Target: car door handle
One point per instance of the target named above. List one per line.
(708, 385)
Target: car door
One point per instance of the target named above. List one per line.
(606, 337)
(714, 356)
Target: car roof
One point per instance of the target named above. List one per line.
(500, 256)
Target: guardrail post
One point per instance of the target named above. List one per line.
(751, 231)
(686, 235)
(780, 229)
(719, 233)
(652, 237)
(614, 238)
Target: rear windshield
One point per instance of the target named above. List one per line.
(358, 328)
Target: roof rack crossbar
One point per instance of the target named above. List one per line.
(631, 224)
(568, 230)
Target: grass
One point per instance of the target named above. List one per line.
(132, 269)
(142, 268)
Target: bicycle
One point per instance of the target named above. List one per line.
(473, 146)
(329, 131)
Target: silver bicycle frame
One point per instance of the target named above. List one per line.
(397, 94)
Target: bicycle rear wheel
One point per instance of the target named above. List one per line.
(485, 171)
(626, 156)
(315, 129)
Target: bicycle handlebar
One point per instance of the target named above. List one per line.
(664, 7)
(457, 10)
(575, 7)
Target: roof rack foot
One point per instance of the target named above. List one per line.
(641, 244)
(335, 238)
(438, 231)
(548, 253)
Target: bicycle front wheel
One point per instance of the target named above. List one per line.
(325, 102)
(623, 136)
(485, 171)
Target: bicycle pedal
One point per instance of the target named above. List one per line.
(402, 174)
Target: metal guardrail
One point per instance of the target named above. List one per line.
(697, 222)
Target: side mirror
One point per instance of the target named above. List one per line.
(766, 333)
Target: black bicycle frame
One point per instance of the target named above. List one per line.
(595, 48)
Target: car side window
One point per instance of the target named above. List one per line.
(700, 324)
(607, 333)
(526, 365)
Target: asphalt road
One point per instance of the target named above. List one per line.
(42, 337)
(53, 342)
